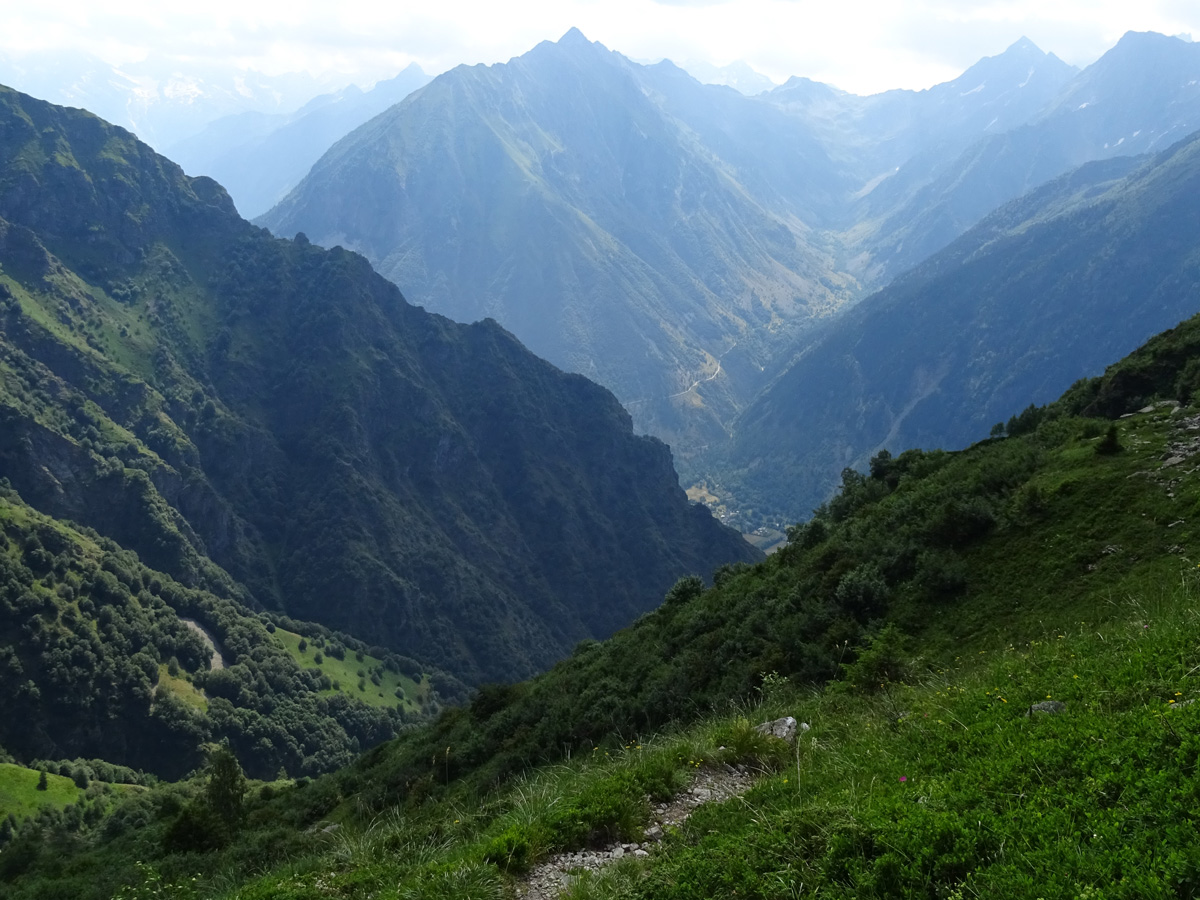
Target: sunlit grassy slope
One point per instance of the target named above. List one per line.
(936, 785)
(356, 674)
(19, 795)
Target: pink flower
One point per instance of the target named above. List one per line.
(904, 778)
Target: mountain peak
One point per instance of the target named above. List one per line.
(573, 37)
(1139, 39)
(1144, 51)
(1025, 45)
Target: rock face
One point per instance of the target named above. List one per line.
(204, 391)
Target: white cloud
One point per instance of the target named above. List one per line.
(861, 45)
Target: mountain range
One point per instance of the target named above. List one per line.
(949, 629)
(680, 242)
(1141, 96)
(558, 196)
(260, 514)
(162, 100)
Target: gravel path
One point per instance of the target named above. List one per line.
(548, 879)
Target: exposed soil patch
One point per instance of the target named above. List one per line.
(218, 661)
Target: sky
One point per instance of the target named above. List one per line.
(864, 46)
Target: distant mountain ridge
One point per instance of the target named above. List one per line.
(258, 157)
(1141, 96)
(159, 99)
(686, 274)
(1039, 294)
(201, 392)
(737, 75)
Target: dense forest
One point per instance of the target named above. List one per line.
(101, 663)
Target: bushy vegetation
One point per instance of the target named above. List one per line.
(941, 785)
(949, 787)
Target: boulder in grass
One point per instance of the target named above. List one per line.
(785, 729)
(1050, 707)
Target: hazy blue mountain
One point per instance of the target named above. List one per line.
(1141, 96)
(259, 157)
(202, 393)
(670, 239)
(679, 242)
(902, 131)
(1044, 291)
(738, 75)
(158, 99)
(614, 216)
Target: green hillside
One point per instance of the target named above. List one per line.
(20, 795)
(359, 675)
(940, 597)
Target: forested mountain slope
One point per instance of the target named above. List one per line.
(1042, 292)
(104, 658)
(203, 393)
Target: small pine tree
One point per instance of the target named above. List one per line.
(43, 782)
(226, 785)
(1111, 442)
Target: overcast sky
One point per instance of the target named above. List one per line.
(859, 45)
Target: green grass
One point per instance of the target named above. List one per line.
(344, 673)
(19, 794)
(181, 688)
(1104, 528)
